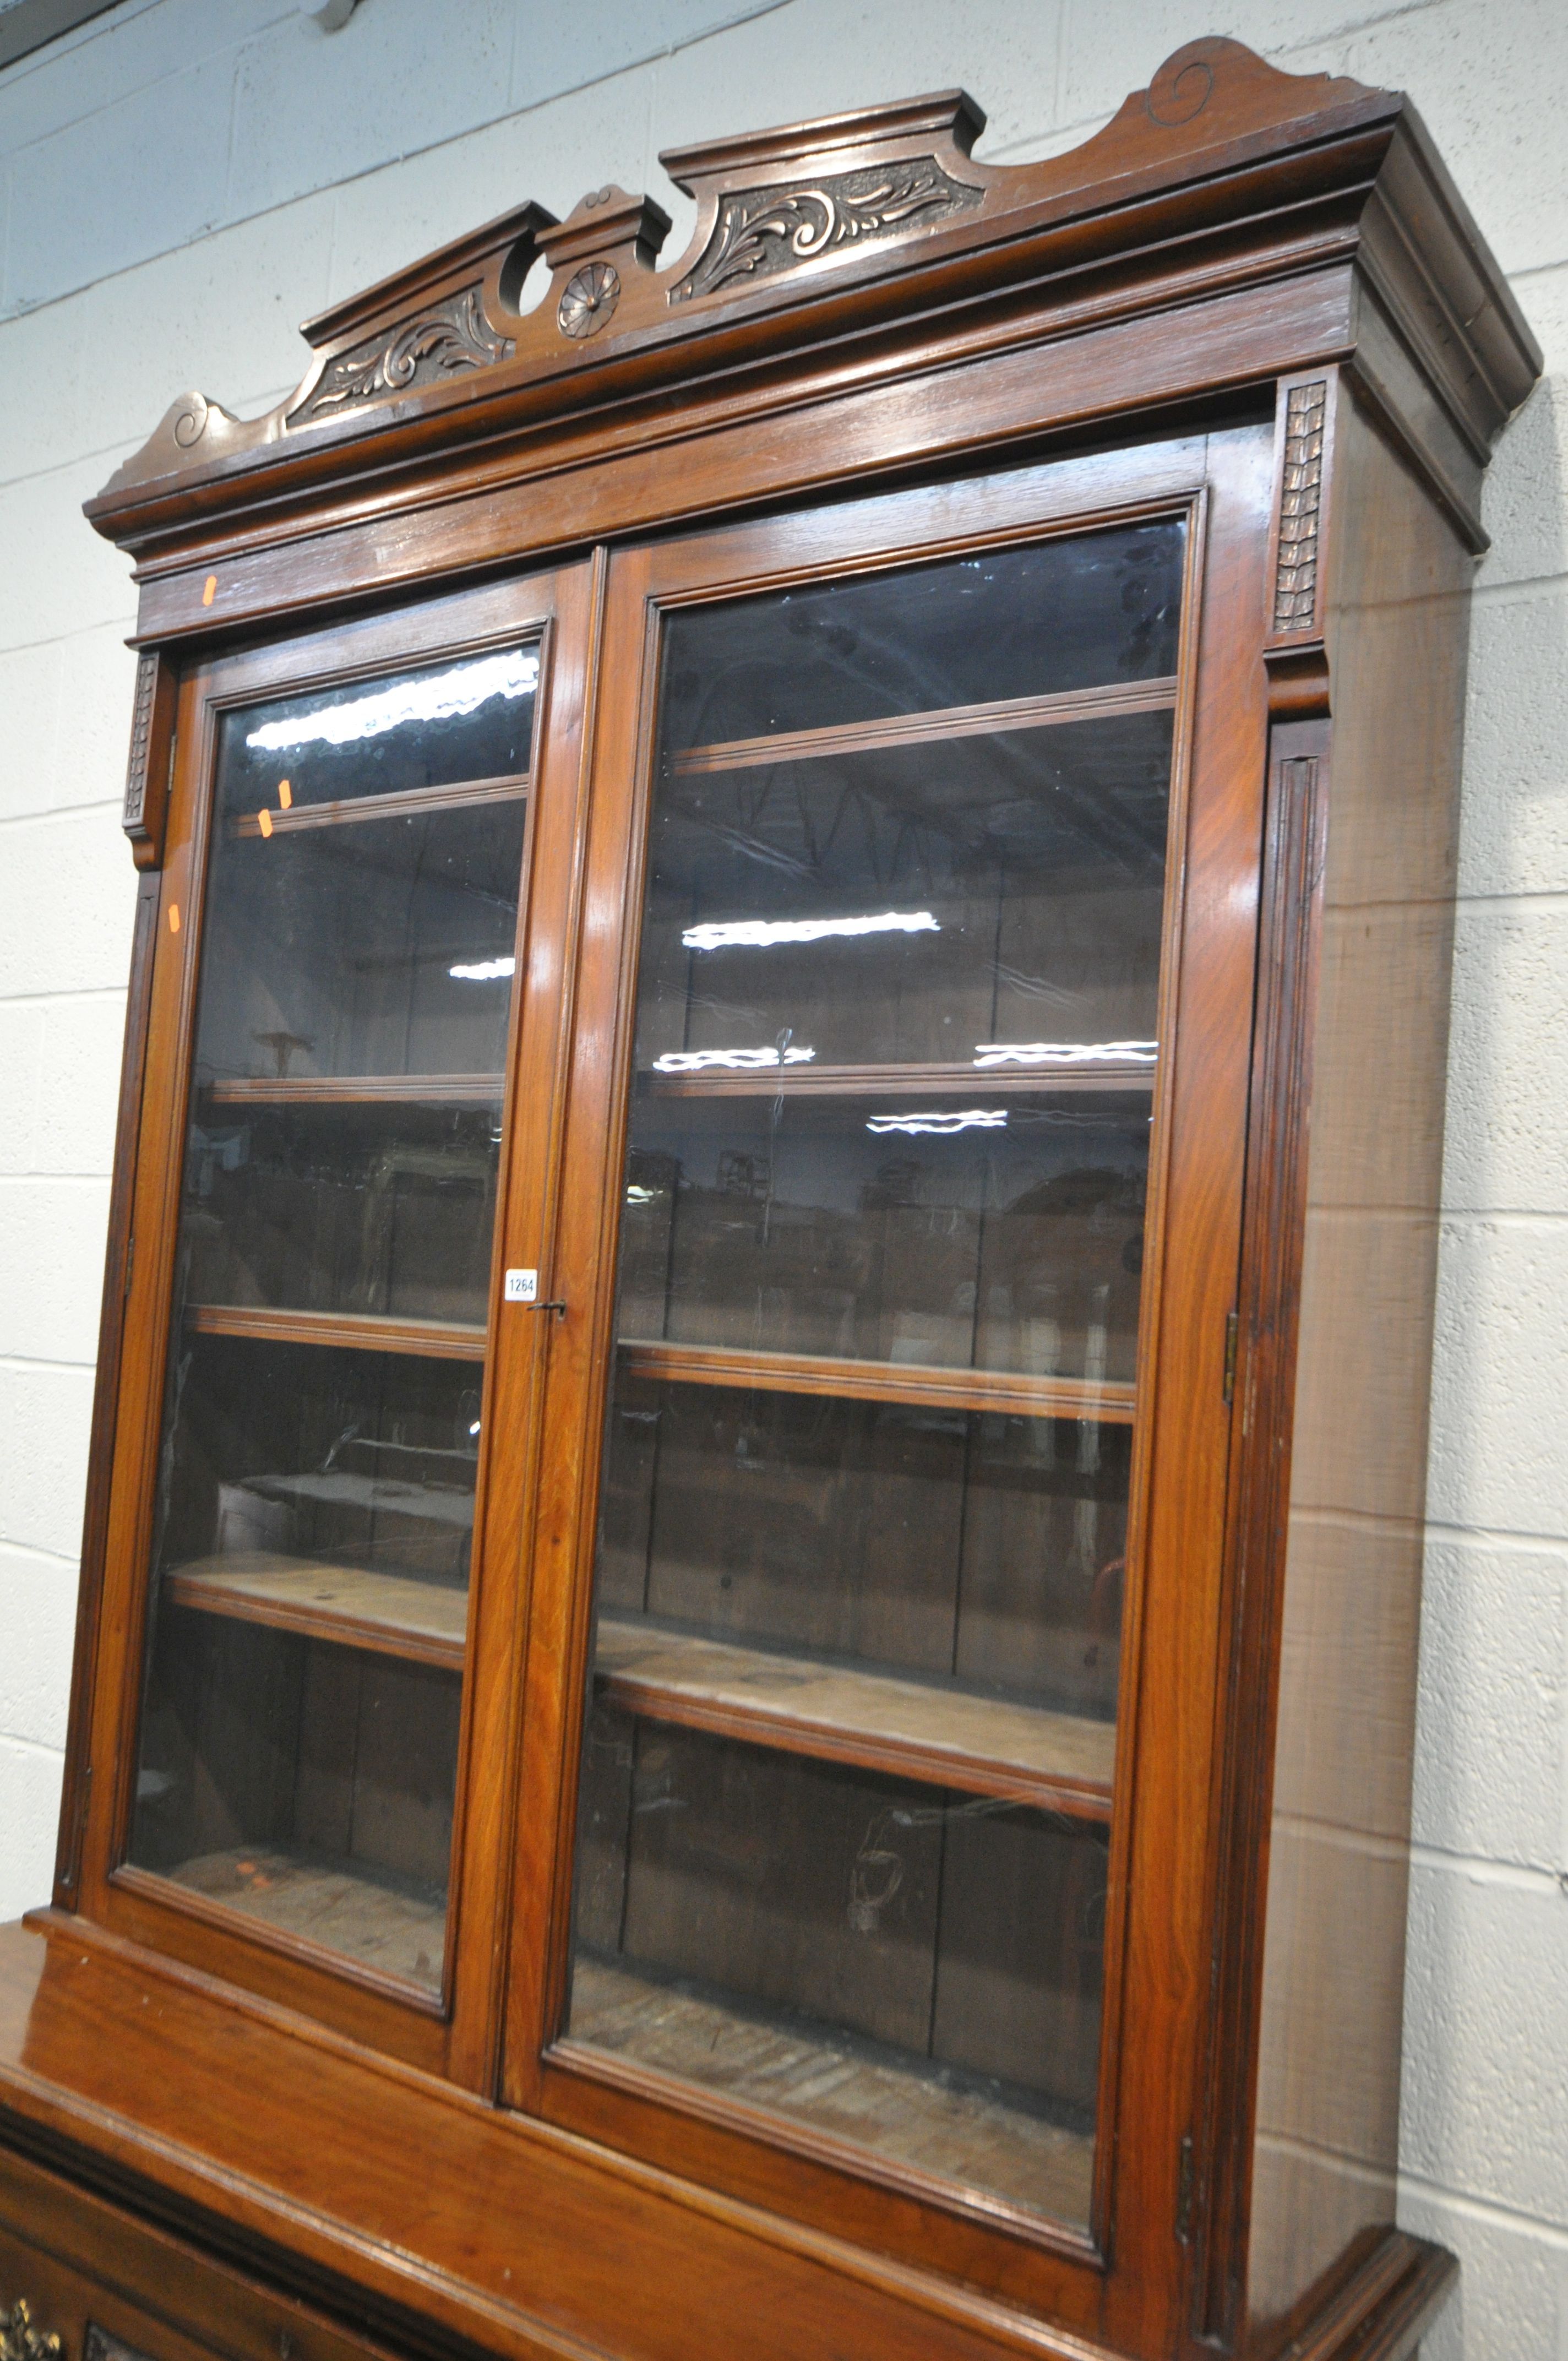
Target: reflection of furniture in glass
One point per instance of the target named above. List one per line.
(750, 1589)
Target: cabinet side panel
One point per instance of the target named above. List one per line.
(1328, 2096)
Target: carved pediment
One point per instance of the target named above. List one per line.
(790, 221)
(441, 319)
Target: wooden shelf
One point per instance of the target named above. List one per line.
(355, 1908)
(854, 2092)
(944, 1735)
(901, 1081)
(390, 1614)
(353, 1089)
(403, 803)
(1110, 1403)
(989, 720)
(359, 1331)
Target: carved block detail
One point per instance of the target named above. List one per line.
(20, 2341)
(1300, 501)
(98, 2345)
(760, 232)
(141, 733)
(152, 752)
(442, 342)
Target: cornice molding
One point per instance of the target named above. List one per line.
(841, 226)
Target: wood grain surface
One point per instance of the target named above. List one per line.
(979, 1745)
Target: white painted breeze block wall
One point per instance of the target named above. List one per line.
(183, 182)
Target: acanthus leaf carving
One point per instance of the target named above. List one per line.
(444, 341)
(760, 232)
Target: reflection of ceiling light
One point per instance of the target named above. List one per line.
(1066, 1053)
(696, 1061)
(637, 1195)
(484, 971)
(971, 1119)
(722, 934)
(434, 697)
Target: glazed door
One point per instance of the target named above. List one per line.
(368, 845)
(918, 1065)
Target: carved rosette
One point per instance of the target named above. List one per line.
(20, 2341)
(1300, 503)
(439, 342)
(588, 300)
(760, 232)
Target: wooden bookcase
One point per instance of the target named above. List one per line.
(746, 1663)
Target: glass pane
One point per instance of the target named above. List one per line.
(326, 1385)
(847, 1783)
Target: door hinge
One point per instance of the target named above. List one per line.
(1184, 2180)
(130, 1266)
(1232, 1325)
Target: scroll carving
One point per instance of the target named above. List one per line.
(448, 338)
(1301, 502)
(760, 232)
(1174, 98)
(20, 2341)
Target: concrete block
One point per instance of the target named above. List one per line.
(1513, 2280)
(73, 894)
(29, 1814)
(146, 173)
(819, 58)
(38, 1615)
(21, 1056)
(1513, 827)
(1485, 2001)
(310, 109)
(52, 1267)
(1505, 1147)
(47, 1416)
(96, 690)
(29, 698)
(1491, 1774)
(1478, 76)
(79, 1084)
(71, 579)
(558, 50)
(1524, 501)
(1501, 1377)
(128, 50)
(1543, 296)
(555, 154)
(222, 315)
(67, 705)
(42, 359)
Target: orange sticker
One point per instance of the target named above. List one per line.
(264, 821)
(174, 917)
(285, 794)
(209, 589)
